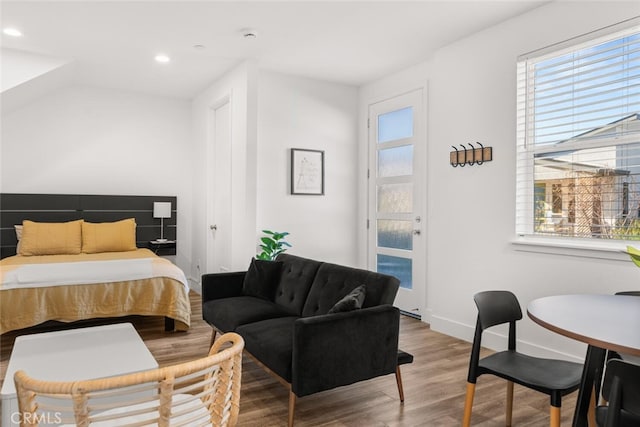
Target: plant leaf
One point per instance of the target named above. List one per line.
(635, 255)
(272, 244)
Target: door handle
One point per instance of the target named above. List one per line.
(213, 227)
(417, 232)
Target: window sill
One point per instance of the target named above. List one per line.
(611, 250)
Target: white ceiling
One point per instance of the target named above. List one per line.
(113, 43)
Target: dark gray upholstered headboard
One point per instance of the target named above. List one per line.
(93, 208)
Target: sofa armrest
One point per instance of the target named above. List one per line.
(338, 349)
(222, 285)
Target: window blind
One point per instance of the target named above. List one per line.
(578, 136)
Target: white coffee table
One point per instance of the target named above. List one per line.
(75, 354)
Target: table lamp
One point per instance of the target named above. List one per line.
(162, 210)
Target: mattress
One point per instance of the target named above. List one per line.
(34, 289)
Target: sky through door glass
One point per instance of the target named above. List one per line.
(395, 125)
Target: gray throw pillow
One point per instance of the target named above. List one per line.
(262, 278)
(352, 301)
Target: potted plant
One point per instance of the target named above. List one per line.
(272, 245)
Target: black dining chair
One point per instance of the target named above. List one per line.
(633, 359)
(614, 354)
(555, 378)
(621, 388)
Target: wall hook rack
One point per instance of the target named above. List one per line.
(470, 156)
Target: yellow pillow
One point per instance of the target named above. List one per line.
(116, 236)
(51, 238)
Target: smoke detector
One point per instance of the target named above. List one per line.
(249, 33)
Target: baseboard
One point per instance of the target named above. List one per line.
(452, 328)
(409, 314)
(425, 317)
(497, 341)
(195, 285)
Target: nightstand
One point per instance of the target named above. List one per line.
(162, 248)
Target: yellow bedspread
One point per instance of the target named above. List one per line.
(21, 307)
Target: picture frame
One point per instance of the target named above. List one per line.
(307, 172)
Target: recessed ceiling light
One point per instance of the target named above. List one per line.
(13, 32)
(162, 58)
(199, 46)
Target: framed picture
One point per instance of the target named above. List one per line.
(307, 171)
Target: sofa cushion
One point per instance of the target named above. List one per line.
(333, 282)
(352, 301)
(261, 279)
(271, 342)
(295, 280)
(227, 314)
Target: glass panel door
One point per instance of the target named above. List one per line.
(395, 188)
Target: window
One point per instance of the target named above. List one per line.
(578, 136)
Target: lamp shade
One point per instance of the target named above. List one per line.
(162, 209)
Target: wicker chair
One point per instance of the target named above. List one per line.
(203, 392)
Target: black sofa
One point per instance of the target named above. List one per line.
(287, 327)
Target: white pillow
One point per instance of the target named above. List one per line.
(19, 236)
(18, 231)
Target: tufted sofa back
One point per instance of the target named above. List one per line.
(295, 280)
(310, 288)
(332, 282)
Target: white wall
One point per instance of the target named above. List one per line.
(471, 214)
(239, 86)
(296, 112)
(19, 67)
(95, 141)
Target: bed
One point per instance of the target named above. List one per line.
(68, 258)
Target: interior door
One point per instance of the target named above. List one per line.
(396, 195)
(219, 210)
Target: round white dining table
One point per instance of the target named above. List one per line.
(604, 322)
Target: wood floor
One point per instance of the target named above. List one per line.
(434, 384)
